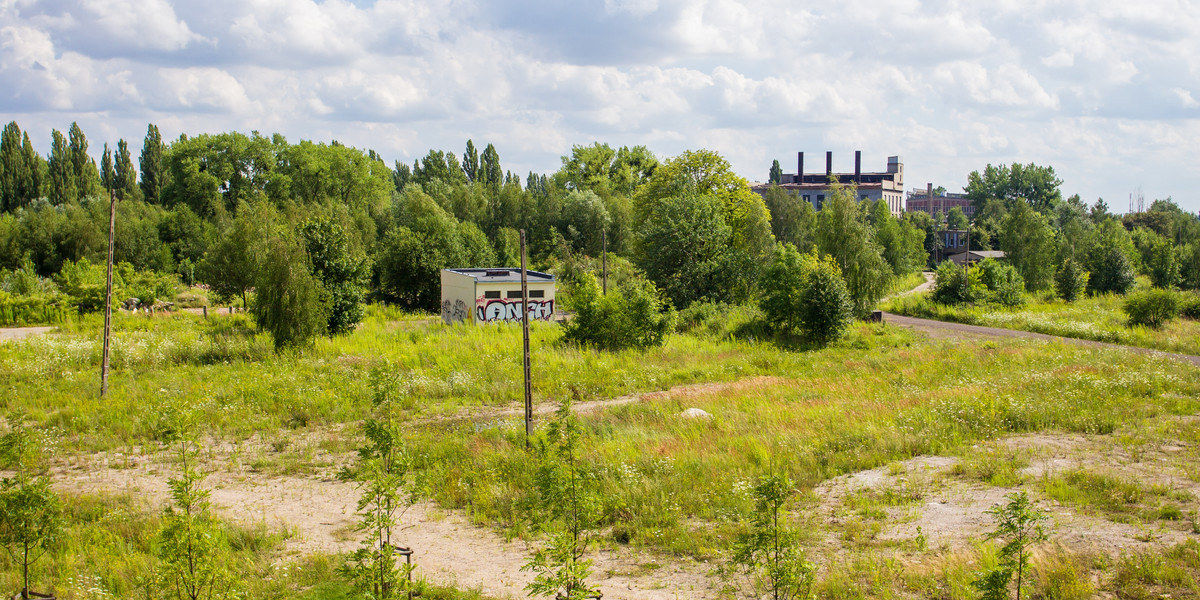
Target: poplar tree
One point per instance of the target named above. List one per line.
(12, 167)
(151, 163)
(87, 178)
(493, 175)
(470, 162)
(107, 175)
(61, 176)
(124, 176)
(35, 172)
(776, 176)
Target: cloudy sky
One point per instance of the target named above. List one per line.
(1107, 92)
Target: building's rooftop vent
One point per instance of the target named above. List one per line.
(496, 272)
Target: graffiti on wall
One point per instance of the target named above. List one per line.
(454, 312)
(496, 309)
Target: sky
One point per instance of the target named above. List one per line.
(1106, 92)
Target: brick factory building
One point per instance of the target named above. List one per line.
(926, 201)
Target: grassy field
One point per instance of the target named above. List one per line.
(1098, 318)
(670, 485)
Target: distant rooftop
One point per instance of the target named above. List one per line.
(502, 275)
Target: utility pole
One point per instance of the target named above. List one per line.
(604, 259)
(525, 335)
(112, 227)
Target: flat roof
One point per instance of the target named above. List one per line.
(503, 275)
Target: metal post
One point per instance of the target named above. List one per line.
(525, 335)
(604, 260)
(967, 265)
(112, 228)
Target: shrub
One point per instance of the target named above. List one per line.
(1070, 281)
(632, 317)
(950, 285)
(1151, 308)
(806, 295)
(1189, 306)
(288, 302)
(1161, 263)
(1005, 284)
(1111, 271)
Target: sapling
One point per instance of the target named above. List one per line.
(30, 513)
(568, 489)
(770, 553)
(383, 473)
(190, 545)
(1019, 527)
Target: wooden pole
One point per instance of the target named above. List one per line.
(112, 227)
(604, 260)
(525, 335)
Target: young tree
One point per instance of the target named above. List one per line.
(1162, 264)
(231, 267)
(770, 552)
(61, 175)
(1018, 527)
(489, 167)
(107, 174)
(567, 487)
(124, 174)
(684, 246)
(470, 162)
(632, 317)
(793, 221)
(383, 473)
(776, 175)
(191, 548)
(87, 178)
(956, 219)
(30, 512)
(1070, 281)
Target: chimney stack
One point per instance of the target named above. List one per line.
(858, 166)
(828, 163)
(800, 167)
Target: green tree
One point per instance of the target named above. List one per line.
(770, 552)
(1030, 184)
(489, 166)
(288, 299)
(844, 234)
(232, 266)
(956, 219)
(793, 221)
(1189, 266)
(1028, 242)
(631, 168)
(1018, 526)
(124, 174)
(903, 244)
(470, 162)
(341, 272)
(384, 474)
(1004, 283)
(108, 175)
(776, 174)
(1162, 264)
(955, 285)
(684, 246)
(30, 512)
(13, 171)
(1070, 281)
(566, 486)
(35, 173)
(61, 175)
(803, 294)
(584, 219)
(151, 163)
(87, 177)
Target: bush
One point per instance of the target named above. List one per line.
(1152, 308)
(1189, 306)
(1070, 281)
(288, 302)
(1111, 271)
(806, 295)
(1005, 284)
(633, 317)
(950, 286)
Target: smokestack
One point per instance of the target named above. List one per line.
(929, 198)
(828, 163)
(799, 167)
(858, 166)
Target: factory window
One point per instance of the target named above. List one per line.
(514, 294)
(537, 293)
(492, 294)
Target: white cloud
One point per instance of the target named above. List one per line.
(143, 23)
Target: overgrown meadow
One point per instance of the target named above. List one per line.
(670, 485)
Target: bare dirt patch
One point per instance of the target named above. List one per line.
(20, 333)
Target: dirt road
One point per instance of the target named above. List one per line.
(944, 329)
(20, 333)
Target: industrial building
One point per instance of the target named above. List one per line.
(491, 295)
(815, 187)
(924, 200)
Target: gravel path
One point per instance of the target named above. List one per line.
(945, 329)
(20, 333)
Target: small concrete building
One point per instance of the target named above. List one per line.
(489, 295)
